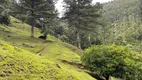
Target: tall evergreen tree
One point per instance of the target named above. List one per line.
(81, 16)
(35, 10)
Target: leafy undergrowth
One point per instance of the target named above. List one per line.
(25, 58)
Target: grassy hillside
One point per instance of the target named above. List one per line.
(25, 58)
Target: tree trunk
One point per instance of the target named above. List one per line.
(89, 38)
(32, 31)
(78, 40)
(107, 77)
(32, 14)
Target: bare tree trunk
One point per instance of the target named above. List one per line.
(32, 14)
(107, 77)
(89, 38)
(78, 34)
(32, 31)
(78, 40)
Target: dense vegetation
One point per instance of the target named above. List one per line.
(35, 42)
(113, 60)
(125, 22)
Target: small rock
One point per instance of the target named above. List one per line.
(9, 36)
(39, 54)
(5, 49)
(58, 65)
(32, 46)
(26, 45)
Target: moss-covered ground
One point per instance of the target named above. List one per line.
(25, 58)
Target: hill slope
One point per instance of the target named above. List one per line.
(26, 58)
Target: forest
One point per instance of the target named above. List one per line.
(89, 41)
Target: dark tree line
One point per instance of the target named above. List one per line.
(82, 19)
(84, 23)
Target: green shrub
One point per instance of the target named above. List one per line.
(4, 19)
(113, 60)
(4, 16)
(64, 38)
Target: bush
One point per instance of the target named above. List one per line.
(4, 16)
(64, 38)
(113, 60)
(4, 19)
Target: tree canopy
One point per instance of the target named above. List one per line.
(33, 10)
(81, 16)
(113, 60)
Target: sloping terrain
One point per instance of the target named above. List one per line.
(25, 58)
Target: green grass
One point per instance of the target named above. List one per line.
(25, 58)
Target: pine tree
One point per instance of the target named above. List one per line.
(35, 10)
(81, 16)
